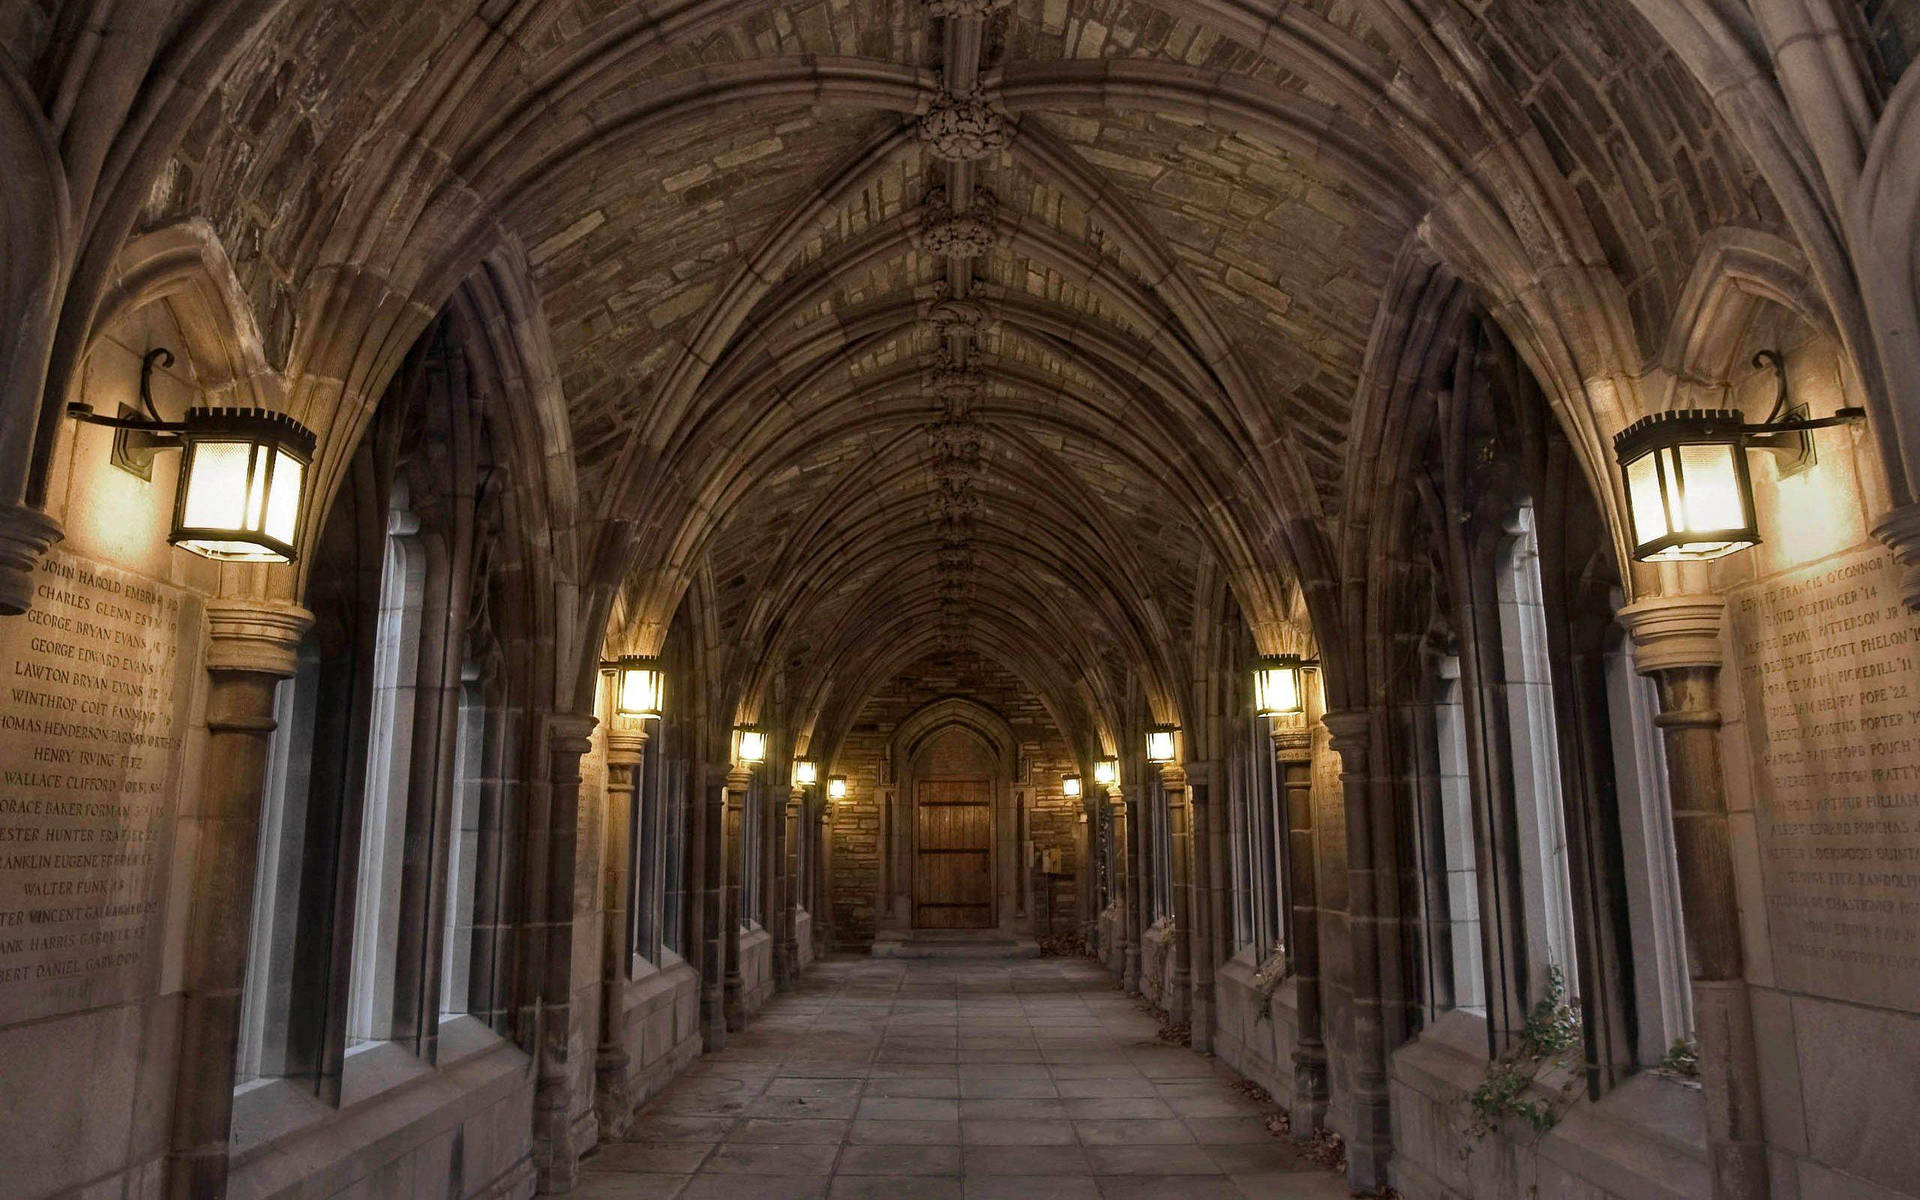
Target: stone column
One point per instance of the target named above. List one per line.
(1293, 752)
(732, 909)
(1677, 642)
(251, 648)
(823, 878)
(710, 842)
(1372, 1142)
(773, 899)
(1118, 885)
(794, 846)
(1200, 902)
(626, 752)
(556, 1158)
(1176, 994)
(1136, 830)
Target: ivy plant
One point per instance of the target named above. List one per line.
(1547, 1039)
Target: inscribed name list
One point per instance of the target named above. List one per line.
(90, 759)
(1826, 656)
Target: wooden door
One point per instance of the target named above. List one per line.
(953, 855)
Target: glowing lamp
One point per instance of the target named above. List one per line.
(750, 743)
(639, 685)
(805, 772)
(1160, 743)
(1105, 772)
(1069, 786)
(242, 476)
(1278, 686)
(837, 787)
(1689, 497)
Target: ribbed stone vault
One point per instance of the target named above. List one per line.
(1168, 230)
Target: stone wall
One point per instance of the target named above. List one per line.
(857, 824)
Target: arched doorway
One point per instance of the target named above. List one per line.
(953, 826)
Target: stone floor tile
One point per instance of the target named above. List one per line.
(752, 1158)
(1167, 1132)
(899, 1160)
(981, 1088)
(1031, 1187)
(1151, 1160)
(908, 1108)
(1013, 1110)
(903, 1187)
(1253, 1158)
(1016, 1133)
(939, 1089)
(1297, 1185)
(667, 1157)
(1117, 1108)
(1222, 1131)
(905, 1133)
(824, 1107)
(1113, 1086)
(1025, 1160)
(621, 1186)
(756, 1187)
(1170, 1187)
(789, 1130)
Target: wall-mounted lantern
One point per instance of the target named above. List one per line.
(805, 772)
(1160, 743)
(241, 478)
(1279, 685)
(639, 685)
(749, 744)
(1106, 772)
(1070, 786)
(1689, 497)
(836, 787)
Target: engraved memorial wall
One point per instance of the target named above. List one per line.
(1825, 657)
(98, 674)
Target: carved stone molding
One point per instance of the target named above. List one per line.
(964, 129)
(1674, 631)
(1899, 529)
(949, 317)
(255, 635)
(25, 534)
(968, 234)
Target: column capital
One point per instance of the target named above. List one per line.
(261, 636)
(25, 534)
(738, 779)
(1173, 776)
(1199, 774)
(1349, 730)
(1292, 739)
(1899, 529)
(625, 744)
(570, 732)
(1674, 631)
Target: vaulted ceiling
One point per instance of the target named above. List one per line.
(915, 323)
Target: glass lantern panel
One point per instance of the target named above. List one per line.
(283, 499)
(217, 485)
(1643, 494)
(1710, 487)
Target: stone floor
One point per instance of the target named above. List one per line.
(930, 1078)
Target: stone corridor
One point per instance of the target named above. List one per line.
(935, 1078)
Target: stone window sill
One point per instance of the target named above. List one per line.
(269, 1114)
(1646, 1136)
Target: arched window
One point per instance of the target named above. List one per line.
(383, 830)
(1453, 793)
(1539, 810)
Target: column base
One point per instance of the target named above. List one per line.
(612, 1101)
